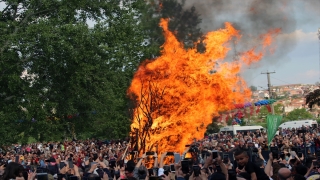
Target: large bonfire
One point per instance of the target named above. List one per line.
(178, 93)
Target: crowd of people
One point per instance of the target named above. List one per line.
(293, 154)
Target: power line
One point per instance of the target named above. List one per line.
(280, 80)
(253, 78)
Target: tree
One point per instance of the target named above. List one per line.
(298, 114)
(184, 22)
(229, 121)
(76, 76)
(212, 128)
(253, 88)
(278, 109)
(313, 98)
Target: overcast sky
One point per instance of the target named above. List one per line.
(296, 59)
(301, 65)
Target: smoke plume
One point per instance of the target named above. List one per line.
(256, 17)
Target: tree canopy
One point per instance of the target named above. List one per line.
(298, 114)
(313, 98)
(59, 74)
(61, 77)
(253, 88)
(184, 22)
(278, 109)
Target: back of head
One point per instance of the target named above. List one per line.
(299, 177)
(93, 177)
(284, 173)
(301, 169)
(259, 162)
(142, 172)
(217, 176)
(12, 171)
(131, 163)
(282, 165)
(95, 156)
(130, 169)
(292, 161)
(239, 152)
(130, 166)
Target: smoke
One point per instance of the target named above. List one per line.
(252, 18)
(256, 17)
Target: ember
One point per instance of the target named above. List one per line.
(179, 93)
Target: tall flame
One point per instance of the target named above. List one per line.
(179, 93)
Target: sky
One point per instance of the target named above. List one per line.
(296, 59)
(300, 65)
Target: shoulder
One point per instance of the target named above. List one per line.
(250, 168)
(253, 167)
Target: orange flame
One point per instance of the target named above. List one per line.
(178, 93)
(253, 55)
(149, 162)
(168, 160)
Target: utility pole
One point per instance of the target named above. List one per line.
(269, 88)
(319, 48)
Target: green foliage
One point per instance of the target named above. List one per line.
(243, 123)
(253, 88)
(298, 114)
(213, 128)
(313, 98)
(75, 77)
(229, 122)
(278, 109)
(72, 69)
(184, 22)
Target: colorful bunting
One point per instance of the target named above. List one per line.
(258, 103)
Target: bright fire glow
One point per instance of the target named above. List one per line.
(178, 93)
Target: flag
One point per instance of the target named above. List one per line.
(273, 122)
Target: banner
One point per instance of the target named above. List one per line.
(273, 122)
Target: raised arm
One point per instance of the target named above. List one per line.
(268, 167)
(140, 160)
(224, 168)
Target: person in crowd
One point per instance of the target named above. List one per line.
(244, 165)
(284, 174)
(13, 171)
(245, 156)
